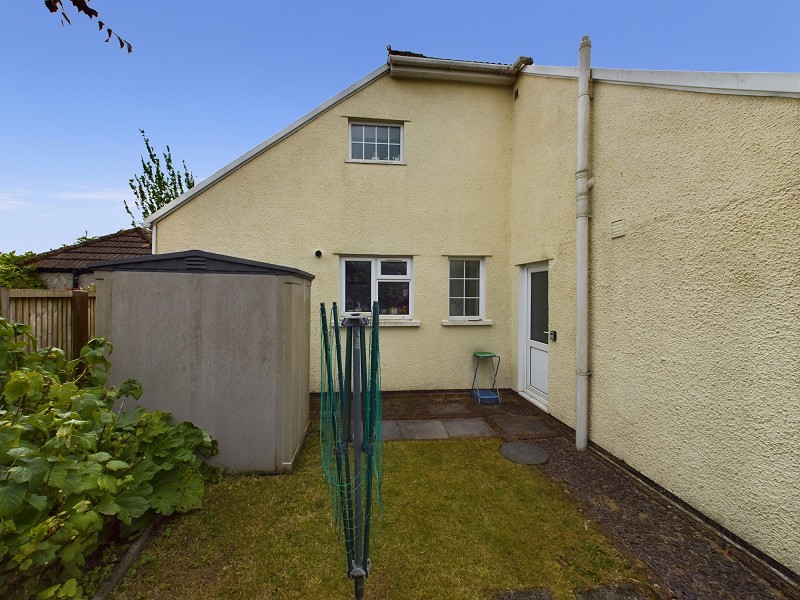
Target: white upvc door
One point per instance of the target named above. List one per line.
(534, 335)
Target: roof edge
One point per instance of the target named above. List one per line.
(94, 241)
(418, 66)
(266, 145)
(155, 259)
(714, 82)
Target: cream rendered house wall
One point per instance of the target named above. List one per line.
(694, 319)
(450, 198)
(542, 225)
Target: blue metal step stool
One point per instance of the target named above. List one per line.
(486, 395)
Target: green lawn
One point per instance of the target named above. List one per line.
(459, 520)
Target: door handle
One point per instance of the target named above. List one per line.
(551, 333)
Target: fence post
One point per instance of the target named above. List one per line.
(80, 321)
(5, 303)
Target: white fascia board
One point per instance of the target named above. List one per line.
(568, 72)
(745, 84)
(264, 146)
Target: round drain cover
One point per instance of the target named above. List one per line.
(524, 453)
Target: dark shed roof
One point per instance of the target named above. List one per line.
(77, 257)
(198, 261)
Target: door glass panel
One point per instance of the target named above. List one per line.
(539, 307)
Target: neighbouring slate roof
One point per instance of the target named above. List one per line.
(77, 257)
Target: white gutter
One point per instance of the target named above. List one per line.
(424, 67)
(583, 185)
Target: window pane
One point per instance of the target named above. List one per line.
(473, 268)
(357, 285)
(383, 135)
(393, 296)
(394, 135)
(394, 267)
(456, 288)
(456, 307)
(370, 152)
(471, 288)
(394, 151)
(383, 152)
(369, 133)
(471, 306)
(456, 268)
(358, 150)
(357, 133)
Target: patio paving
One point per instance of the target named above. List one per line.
(685, 558)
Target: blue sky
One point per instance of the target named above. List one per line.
(213, 80)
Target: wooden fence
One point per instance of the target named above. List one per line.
(61, 318)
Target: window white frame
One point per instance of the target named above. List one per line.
(351, 142)
(481, 316)
(376, 277)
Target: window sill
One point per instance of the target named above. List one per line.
(375, 162)
(395, 323)
(399, 323)
(466, 322)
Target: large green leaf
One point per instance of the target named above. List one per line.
(19, 474)
(116, 465)
(37, 501)
(107, 506)
(132, 507)
(11, 498)
(9, 436)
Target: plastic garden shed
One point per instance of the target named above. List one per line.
(217, 340)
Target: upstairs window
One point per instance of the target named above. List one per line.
(376, 142)
(387, 280)
(467, 288)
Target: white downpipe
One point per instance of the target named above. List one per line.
(583, 185)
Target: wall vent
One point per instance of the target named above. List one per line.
(196, 263)
(617, 228)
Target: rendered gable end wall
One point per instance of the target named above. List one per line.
(450, 198)
(694, 328)
(694, 311)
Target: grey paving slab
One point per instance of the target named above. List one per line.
(391, 430)
(423, 430)
(523, 425)
(524, 453)
(467, 428)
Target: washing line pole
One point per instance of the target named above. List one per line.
(342, 425)
(339, 443)
(355, 325)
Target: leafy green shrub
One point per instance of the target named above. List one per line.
(15, 275)
(73, 472)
